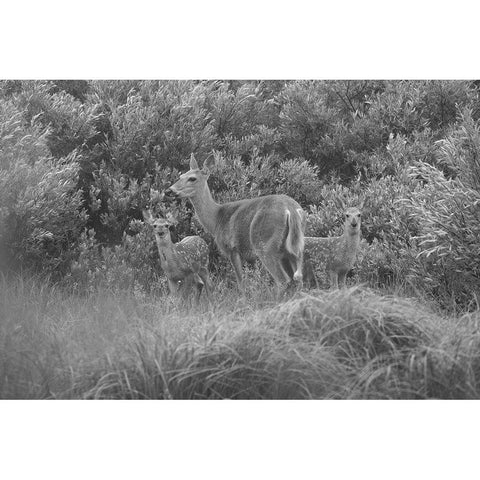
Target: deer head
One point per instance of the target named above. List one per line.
(353, 219)
(194, 181)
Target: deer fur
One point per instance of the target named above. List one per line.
(185, 263)
(270, 228)
(337, 254)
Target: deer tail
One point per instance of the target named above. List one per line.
(294, 241)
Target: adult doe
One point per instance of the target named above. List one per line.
(270, 228)
(337, 254)
(185, 263)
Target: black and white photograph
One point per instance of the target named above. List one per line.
(302, 242)
(226, 239)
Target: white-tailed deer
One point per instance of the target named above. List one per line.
(270, 228)
(337, 254)
(185, 263)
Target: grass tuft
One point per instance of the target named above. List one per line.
(351, 343)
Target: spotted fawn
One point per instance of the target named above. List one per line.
(337, 254)
(185, 263)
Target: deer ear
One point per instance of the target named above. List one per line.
(171, 219)
(340, 204)
(193, 162)
(362, 202)
(208, 165)
(147, 216)
(156, 196)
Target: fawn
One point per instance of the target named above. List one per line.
(270, 228)
(338, 254)
(185, 263)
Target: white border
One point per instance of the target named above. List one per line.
(249, 39)
(239, 439)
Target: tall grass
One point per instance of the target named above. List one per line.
(352, 343)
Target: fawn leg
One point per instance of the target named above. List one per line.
(203, 274)
(199, 290)
(173, 287)
(199, 284)
(309, 275)
(333, 280)
(341, 278)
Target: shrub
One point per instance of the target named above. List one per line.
(41, 216)
(449, 232)
(92, 154)
(460, 151)
(40, 206)
(70, 122)
(130, 266)
(306, 125)
(298, 179)
(161, 123)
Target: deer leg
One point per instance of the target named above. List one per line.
(184, 287)
(237, 266)
(293, 266)
(189, 282)
(297, 265)
(309, 275)
(200, 286)
(333, 280)
(203, 273)
(341, 278)
(274, 265)
(173, 287)
(287, 266)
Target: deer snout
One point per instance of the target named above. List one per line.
(162, 231)
(170, 193)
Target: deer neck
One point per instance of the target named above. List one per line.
(206, 209)
(166, 248)
(352, 239)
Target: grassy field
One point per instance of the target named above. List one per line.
(349, 344)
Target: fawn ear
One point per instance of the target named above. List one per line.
(171, 219)
(193, 162)
(147, 216)
(361, 202)
(208, 165)
(340, 204)
(156, 196)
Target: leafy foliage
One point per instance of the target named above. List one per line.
(87, 156)
(40, 205)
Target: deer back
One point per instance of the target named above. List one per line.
(254, 224)
(193, 253)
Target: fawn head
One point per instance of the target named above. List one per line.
(193, 181)
(353, 219)
(161, 226)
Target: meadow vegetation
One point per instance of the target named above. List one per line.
(84, 308)
(352, 343)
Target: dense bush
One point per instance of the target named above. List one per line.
(131, 265)
(448, 239)
(41, 213)
(80, 159)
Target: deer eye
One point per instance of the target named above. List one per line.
(192, 179)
